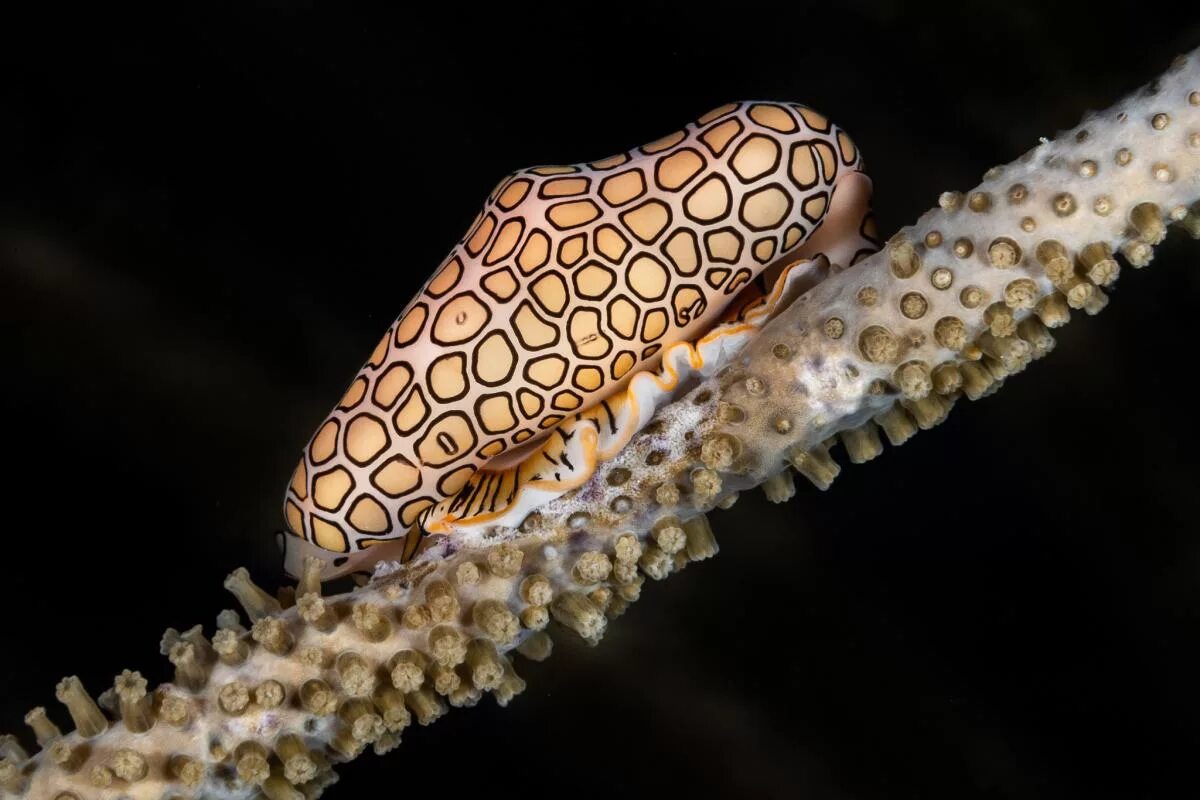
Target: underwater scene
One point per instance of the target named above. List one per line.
(600, 400)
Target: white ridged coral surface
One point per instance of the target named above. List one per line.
(952, 306)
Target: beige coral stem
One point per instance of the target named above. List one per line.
(953, 306)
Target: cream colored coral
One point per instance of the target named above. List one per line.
(952, 306)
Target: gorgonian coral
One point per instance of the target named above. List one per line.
(951, 306)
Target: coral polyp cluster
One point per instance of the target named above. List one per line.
(952, 307)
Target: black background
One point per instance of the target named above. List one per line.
(208, 218)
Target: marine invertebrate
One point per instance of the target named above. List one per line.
(571, 281)
(264, 709)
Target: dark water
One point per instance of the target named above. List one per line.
(207, 220)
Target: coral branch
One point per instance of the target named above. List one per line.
(953, 306)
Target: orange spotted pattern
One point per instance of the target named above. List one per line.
(569, 280)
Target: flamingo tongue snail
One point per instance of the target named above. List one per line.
(581, 299)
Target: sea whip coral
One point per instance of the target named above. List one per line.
(952, 306)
